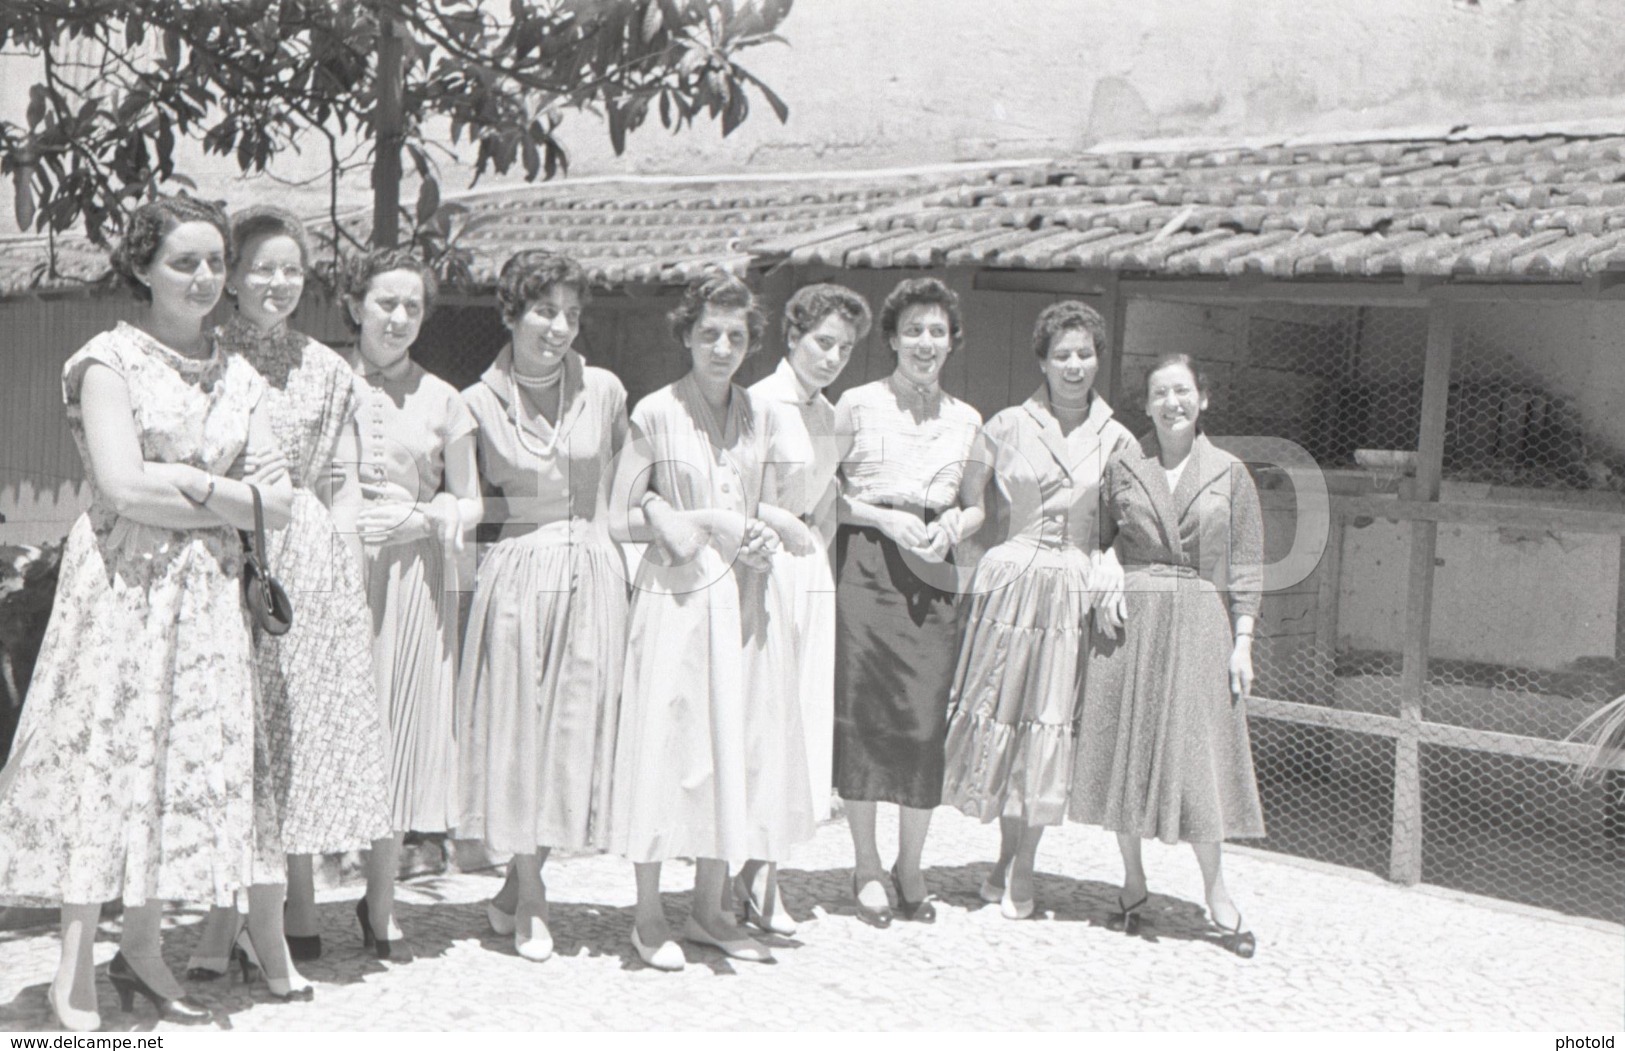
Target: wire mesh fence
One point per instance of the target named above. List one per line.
(1415, 691)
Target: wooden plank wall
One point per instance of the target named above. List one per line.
(41, 489)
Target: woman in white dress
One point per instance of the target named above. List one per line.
(710, 759)
(822, 325)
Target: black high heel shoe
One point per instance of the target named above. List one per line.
(1128, 918)
(242, 950)
(921, 911)
(182, 1011)
(302, 948)
(880, 917)
(1238, 941)
(386, 949)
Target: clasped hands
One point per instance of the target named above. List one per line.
(391, 514)
(933, 542)
(749, 540)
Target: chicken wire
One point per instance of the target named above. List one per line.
(1523, 638)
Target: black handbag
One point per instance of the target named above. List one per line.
(267, 603)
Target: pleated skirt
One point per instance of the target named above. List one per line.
(1016, 693)
(895, 653)
(1163, 750)
(414, 651)
(539, 692)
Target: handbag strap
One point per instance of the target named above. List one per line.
(259, 526)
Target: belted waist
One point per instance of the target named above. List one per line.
(564, 530)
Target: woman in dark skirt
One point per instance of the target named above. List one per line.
(1162, 743)
(902, 512)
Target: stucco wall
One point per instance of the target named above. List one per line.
(892, 82)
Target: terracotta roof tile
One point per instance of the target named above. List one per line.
(1525, 204)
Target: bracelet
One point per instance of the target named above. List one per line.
(1244, 634)
(643, 504)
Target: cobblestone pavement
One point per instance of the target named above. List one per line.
(1336, 950)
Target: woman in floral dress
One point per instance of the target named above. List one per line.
(414, 442)
(317, 696)
(710, 758)
(539, 690)
(133, 772)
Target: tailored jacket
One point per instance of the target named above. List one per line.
(1210, 526)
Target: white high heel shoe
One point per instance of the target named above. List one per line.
(667, 956)
(536, 943)
(1009, 907)
(71, 1018)
(292, 986)
(775, 922)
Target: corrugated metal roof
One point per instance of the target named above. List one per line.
(1528, 206)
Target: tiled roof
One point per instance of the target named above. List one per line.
(1536, 206)
(622, 230)
(1525, 204)
(667, 230)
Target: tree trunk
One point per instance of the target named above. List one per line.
(388, 136)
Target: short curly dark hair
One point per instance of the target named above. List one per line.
(361, 269)
(528, 274)
(153, 221)
(916, 290)
(811, 304)
(1065, 316)
(723, 290)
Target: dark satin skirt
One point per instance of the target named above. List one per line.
(895, 651)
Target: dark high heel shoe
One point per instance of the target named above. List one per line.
(182, 1011)
(386, 949)
(1128, 919)
(302, 948)
(880, 917)
(921, 911)
(284, 988)
(1238, 941)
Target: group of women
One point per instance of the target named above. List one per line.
(796, 619)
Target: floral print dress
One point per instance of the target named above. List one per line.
(318, 702)
(132, 773)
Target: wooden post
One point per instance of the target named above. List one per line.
(1110, 377)
(1324, 678)
(389, 133)
(1405, 856)
(1613, 782)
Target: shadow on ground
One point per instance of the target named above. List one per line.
(435, 925)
